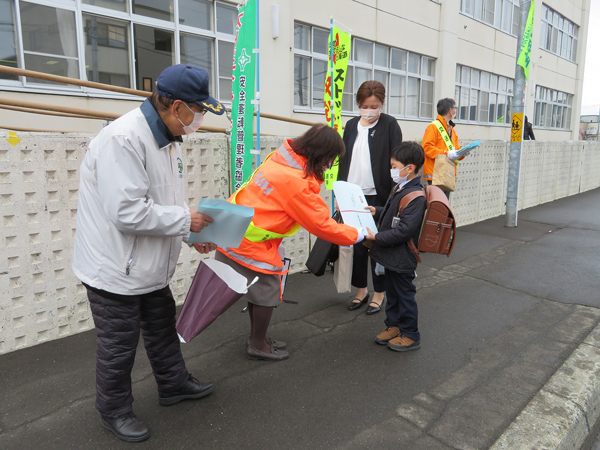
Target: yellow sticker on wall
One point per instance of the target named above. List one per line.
(12, 138)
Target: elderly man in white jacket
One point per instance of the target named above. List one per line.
(131, 222)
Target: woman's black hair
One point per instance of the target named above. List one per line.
(409, 152)
(320, 145)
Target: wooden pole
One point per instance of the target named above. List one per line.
(37, 111)
(122, 90)
(90, 114)
(73, 81)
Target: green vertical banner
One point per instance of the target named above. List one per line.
(243, 94)
(525, 53)
(334, 89)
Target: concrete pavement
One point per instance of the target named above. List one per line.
(510, 359)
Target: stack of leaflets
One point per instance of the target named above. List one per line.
(467, 148)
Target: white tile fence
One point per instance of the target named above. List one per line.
(42, 300)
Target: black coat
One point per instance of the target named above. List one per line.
(383, 137)
(390, 248)
(528, 134)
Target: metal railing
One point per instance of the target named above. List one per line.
(81, 113)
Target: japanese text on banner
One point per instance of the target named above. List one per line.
(341, 55)
(525, 53)
(243, 94)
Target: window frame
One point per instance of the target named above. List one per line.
(493, 87)
(129, 19)
(551, 105)
(354, 66)
(555, 30)
(497, 12)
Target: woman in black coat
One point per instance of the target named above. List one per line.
(369, 141)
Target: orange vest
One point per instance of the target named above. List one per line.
(433, 144)
(282, 197)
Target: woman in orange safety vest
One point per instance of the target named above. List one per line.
(285, 194)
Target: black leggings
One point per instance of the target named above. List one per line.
(360, 263)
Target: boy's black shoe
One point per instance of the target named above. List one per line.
(190, 390)
(403, 344)
(126, 427)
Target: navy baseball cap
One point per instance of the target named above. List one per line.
(187, 83)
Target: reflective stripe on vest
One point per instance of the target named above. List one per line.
(252, 262)
(445, 136)
(257, 234)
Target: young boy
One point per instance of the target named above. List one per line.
(390, 249)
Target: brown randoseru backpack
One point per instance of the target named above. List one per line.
(438, 231)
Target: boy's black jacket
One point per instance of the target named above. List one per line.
(390, 248)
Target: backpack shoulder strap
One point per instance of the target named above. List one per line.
(403, 204)
(409, 198)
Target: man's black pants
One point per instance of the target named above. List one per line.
(118, 320)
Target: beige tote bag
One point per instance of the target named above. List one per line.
(444, 173)
(342, 270)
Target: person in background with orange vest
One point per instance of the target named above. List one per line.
(440, 138)
(285, 194)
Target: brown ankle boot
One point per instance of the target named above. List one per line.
(387, 334)
(403, 344)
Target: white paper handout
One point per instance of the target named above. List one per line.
(352, 202)
(229, 225)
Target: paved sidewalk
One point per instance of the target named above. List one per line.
(510, 355)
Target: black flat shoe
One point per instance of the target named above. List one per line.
(356, 305)
(374, 309)
(126, 427)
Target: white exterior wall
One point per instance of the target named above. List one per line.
(427, 27)
(42, 300)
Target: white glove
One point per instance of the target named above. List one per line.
(361, 235)
(453, 155)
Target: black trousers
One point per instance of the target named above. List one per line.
(360, 263)
(118, 320)
(401, 308)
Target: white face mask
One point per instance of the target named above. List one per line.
(196, 122)
(370, 115)
(396, 175)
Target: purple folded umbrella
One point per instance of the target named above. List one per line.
(215, 287)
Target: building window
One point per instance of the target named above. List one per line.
(483, 97)
(124, 43)
(500, 14)
(107, 53)
(408, 77)
(8, 44)
(552, 109)
(559, 34)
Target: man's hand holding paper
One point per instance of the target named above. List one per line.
(228, 223)
(199, 221)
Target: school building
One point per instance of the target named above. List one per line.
(421, 50)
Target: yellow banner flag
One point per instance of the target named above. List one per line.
(525, 53)
(334, 89)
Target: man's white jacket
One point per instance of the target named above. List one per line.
(131, 216)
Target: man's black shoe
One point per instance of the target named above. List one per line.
(126, 427)
(191, 389)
